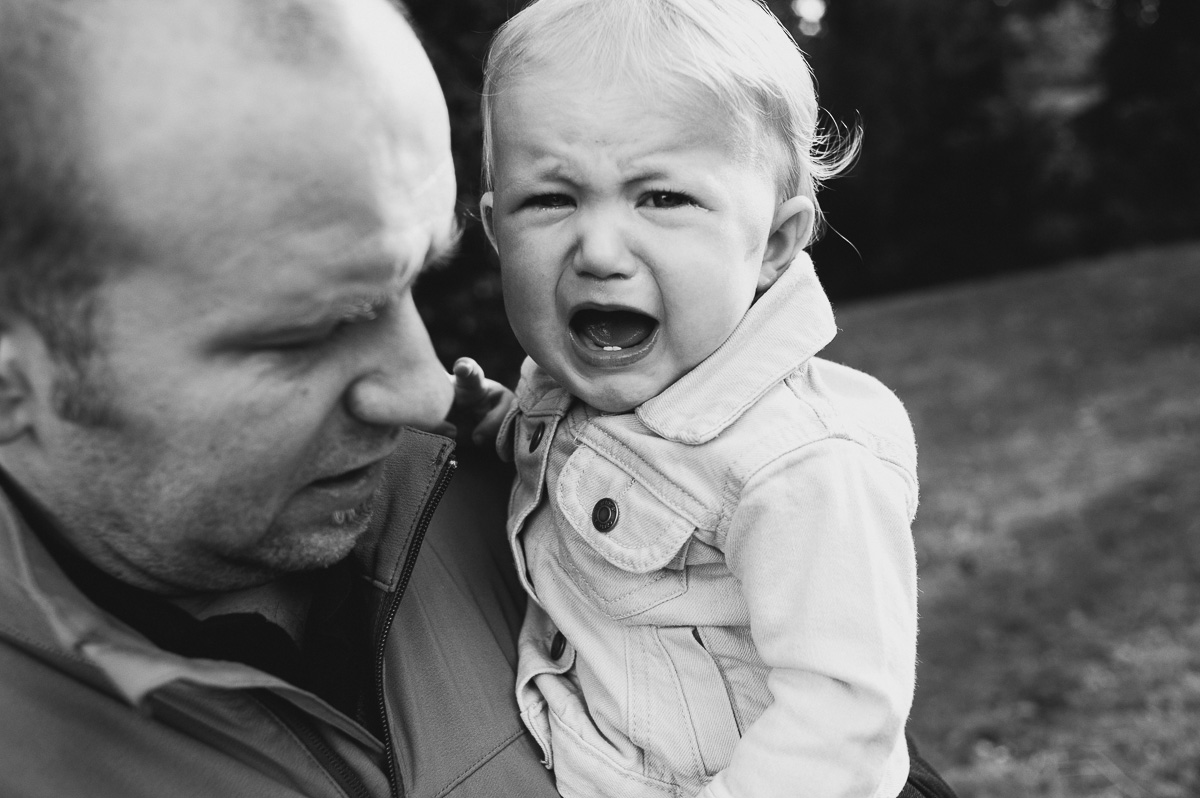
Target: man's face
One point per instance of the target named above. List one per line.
(631, 231)
(258, 365)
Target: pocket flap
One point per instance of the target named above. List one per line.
(633, 529)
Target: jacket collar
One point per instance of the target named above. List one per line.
(785, 328)
(538, 392)
(412, 479)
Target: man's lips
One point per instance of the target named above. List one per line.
(351, 487)
(353, 475)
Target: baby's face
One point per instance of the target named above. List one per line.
(631, 232)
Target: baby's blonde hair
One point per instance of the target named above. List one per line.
(733, 50)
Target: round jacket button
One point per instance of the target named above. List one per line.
(604, 515)
(558, 645)
(536, 437)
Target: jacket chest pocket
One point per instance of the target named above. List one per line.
(620, 544)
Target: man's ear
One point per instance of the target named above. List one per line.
(791, 230)
(486, 204)
(16, 395)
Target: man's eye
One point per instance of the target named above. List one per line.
(312, 338)
(666, 199)
(306, 339)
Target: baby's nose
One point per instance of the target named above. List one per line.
(602, 251)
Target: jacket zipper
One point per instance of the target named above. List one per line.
(410, 562)
(295, 720)
(333, 764)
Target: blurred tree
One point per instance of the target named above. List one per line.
(1052, 77)
(940, 189)
(1143, 134)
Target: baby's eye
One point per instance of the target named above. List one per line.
(548, 201)
(666, 199)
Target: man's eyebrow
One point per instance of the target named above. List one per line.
(361, 307)
(306, 317)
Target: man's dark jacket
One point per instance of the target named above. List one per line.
(89, 707)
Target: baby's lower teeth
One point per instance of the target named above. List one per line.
(612, 349)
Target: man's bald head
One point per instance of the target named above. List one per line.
(53, 228)
(296, 31)
(62, 230)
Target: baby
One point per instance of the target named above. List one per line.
(712, 523)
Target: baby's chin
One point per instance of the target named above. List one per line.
(615, 393)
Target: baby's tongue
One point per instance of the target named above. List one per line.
(613, 328)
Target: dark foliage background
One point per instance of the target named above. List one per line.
(998, 135)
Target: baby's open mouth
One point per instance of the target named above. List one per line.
(612, 330)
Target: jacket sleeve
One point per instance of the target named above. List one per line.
(821, 544)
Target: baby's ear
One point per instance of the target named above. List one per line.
(486, 203)
(790, 231)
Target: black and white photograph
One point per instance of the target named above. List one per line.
(599, 398)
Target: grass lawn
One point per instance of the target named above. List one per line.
(1058, 418)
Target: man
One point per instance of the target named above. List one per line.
(212, 215)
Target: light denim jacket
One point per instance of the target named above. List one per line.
(747, 626)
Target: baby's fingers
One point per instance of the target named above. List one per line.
(469, 383)
(480, 404)
(489, 426)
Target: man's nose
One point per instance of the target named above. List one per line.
(601, 247)
(405, 384)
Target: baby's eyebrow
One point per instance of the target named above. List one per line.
(648, 176)
(552, 167)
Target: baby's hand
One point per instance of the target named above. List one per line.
(479, 400)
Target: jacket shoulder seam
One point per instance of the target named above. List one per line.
(836, 422)
(905, 472)
(22, 642)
